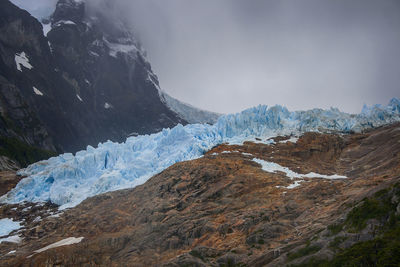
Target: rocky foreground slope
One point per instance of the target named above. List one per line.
(225, 209)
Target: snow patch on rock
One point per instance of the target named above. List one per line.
(7, 226)
(64, 242)
(107, 105)
(294, 185)
(63, 22)
(291, 140)
(22, 59)
(274, 167)
(11, 239)
(46, 29)
(37, 91)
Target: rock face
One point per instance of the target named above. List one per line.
(8, 180)
(222, 209)
(19, 109)
(86, 82)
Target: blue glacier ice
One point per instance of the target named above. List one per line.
(68, 179)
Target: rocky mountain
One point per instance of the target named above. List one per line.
(77, 80)
(317, 200)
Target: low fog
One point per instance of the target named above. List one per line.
(228, 55)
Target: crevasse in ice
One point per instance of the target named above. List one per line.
(68, 179)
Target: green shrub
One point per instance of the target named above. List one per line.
(21, 152)
(337, 241)
(334, 229)
(307, 250)
(383, 250)
(313, 262)
(372, 208)
(197, 254)
(377, 252)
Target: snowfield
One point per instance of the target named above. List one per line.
(274, 167)
(68, 179)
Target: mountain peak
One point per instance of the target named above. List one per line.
(69, 10)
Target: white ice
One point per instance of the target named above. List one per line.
(61, 22)
(46, 29)
(291, 139)
(294, 185)
(37, 91)
(11, 239)
(274, 167)
(65, 242)
(22, 59)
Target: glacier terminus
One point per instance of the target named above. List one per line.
(68, 179)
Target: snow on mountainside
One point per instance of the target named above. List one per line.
(67, 180)
(188, 112)
(185, 111)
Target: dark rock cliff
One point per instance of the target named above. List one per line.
(86, 82)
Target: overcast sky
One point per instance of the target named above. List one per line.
(227, 55)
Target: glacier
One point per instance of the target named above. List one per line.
(68, 179)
